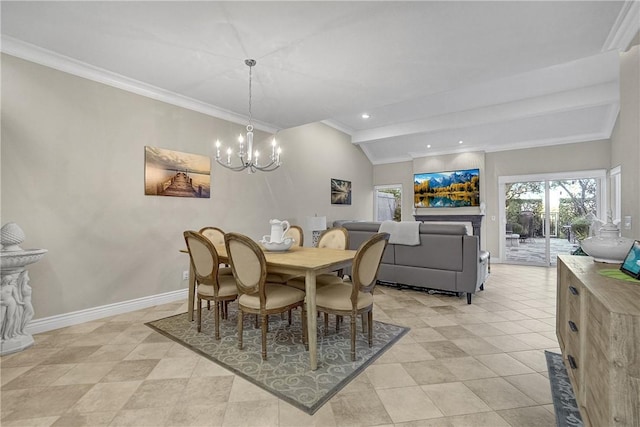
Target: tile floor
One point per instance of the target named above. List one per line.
(461, 365)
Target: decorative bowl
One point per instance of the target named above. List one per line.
(606, 249)
(285, 245)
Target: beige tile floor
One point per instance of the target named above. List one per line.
(461, 365)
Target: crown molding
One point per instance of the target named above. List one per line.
(38, 55)
(625, 28)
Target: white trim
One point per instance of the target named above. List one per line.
(38, 55)
(601, 195)
(625, 27)
(555, 176)
(76, 317)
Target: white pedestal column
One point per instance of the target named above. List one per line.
(16, 310)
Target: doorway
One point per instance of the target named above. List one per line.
(545, 215)
(387, 203)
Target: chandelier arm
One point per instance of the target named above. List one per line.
(233, 168)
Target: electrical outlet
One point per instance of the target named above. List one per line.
(185, 275)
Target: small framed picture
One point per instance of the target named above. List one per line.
(631, 263)
(340, 192)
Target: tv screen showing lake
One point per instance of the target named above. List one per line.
(450, 189)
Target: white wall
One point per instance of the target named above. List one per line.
(72, 172)
(625, 140)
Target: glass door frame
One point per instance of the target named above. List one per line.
(383, 187)
(601, 195)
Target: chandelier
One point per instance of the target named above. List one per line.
(249, 159)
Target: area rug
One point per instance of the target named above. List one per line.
(285, 373)
(564, 400)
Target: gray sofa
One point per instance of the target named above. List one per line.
(447, 259)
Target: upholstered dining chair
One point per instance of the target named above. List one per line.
(355, 296)
(333, 238)
(296, 233)
(257, 296)
(210, 285)
(216, 236)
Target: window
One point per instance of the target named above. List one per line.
(387, 202)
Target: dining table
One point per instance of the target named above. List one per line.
(298, 260)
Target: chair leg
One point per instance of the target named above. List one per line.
(208, 305)
(305, 338)
(216, 314)
(370, 327)
(240, 322)
(199, 314)
(264, 337)
(289, 317)
(353, 337)
(326, 324)
(362, 318)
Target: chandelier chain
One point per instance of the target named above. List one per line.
(250, 97)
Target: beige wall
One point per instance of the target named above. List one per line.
(72, 172)
(625, 140)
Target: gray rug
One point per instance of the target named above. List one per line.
(286, 372)
(564, 400)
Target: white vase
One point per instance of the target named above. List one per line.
(607, 246)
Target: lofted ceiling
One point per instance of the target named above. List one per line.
(495, 75)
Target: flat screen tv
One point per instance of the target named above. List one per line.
(449, 189)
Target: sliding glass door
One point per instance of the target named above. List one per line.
(547, 215)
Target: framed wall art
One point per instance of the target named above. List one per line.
(176, 174)
(340, 192)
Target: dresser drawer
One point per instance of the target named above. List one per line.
(597, 386)
(598, 326)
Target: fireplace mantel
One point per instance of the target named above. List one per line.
(474, 219)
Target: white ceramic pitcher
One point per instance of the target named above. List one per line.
(278, 230)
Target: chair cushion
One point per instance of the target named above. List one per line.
(278, 296)
(225, 271)
(227, 287)
(338, 297)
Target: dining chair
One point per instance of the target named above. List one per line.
(333, 238)
(216, 236)
(210, 285)
(256, 295)
(354, 297)
(296, 233)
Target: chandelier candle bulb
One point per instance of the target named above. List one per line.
(228, 156)
(217, 148)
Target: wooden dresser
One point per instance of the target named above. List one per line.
(598, 328)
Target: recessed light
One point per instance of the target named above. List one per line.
(428, 145)
(365, 116)
(460, 142)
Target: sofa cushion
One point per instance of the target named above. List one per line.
(437, 251)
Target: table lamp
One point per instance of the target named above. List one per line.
(316, 224)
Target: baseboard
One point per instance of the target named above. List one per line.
(76, 317)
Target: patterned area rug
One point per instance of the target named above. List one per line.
(564, 401)
(286, 372)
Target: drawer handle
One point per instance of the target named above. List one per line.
(572, 362)
(573, 326)
(574, 290)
